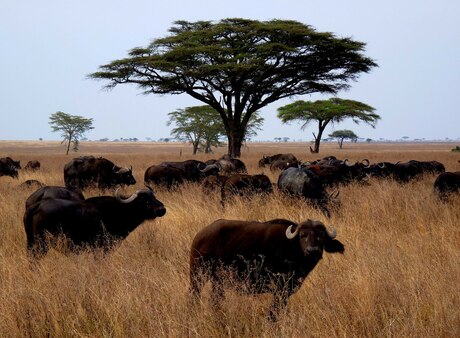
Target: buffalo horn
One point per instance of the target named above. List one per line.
(121, 170)
(209, 167)
(127, 200)
(332, 233)
(381, 165)
(290, 234)
(366, 161)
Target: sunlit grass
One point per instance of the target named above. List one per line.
(399, 275)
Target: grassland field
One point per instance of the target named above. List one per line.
(399, 275)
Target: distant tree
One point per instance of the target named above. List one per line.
(341, 135)
(368, 140)
(238, 66)
(203, 127)
(72, 128)
(323, 112)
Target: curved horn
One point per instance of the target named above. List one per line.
(290, 234)
(121, 170)
(209, 167)
(366, 161)
(345, 161)
(332, 233)
(381, 165)
(128, 200)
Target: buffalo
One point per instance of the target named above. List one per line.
(258, 257)
(283, 165)
(86, 171)
(71, 194)
(171, 174)
(446, 184)
(32, 165)
(228, 165)
(165, 176)
(270, 159)
(212, 183)
(304, 183)
(97, 222)
(245, 185)
(333, 171)
(9, 167)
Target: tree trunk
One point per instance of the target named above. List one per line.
(235, 141)
(68, 147)
(195, 145)
(340, 143)
(321, 127)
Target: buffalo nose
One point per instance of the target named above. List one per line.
(311, 249)
(160, 211)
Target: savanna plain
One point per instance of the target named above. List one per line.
(399, 275)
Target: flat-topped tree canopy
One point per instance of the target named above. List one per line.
(237, 66)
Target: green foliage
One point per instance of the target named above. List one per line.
(237, 66)
(345, 134)
(72, 128)
(457, 148)
(323, 112)
(342, 135)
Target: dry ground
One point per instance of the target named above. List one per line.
(399, 276)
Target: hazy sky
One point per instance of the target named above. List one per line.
(48, 47)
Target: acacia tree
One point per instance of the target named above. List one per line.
(72, 128)
(202, 126)
(323, 112)
(342, 135)
(237, 66)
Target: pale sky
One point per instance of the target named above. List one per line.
(48, 47)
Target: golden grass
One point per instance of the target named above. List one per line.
(399, 275)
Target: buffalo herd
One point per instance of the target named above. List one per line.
(262, 257)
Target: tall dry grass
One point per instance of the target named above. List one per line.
(399, 275)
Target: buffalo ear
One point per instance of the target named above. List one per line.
(334, 246)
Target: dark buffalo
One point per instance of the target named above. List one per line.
(193, 170)
(381, 170)
(333, 171)
(71, 194)
(212, 183)
(274, 256)
(404, 172)
(9, 167)
(95, 222)
(446, 184)
(429, 167)
(270, 159)
(32, 165)
(305, 183)
(86, 171)
(164, 176)
(283, 165)
(245, 185)
(171, 174)
(228, 165)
